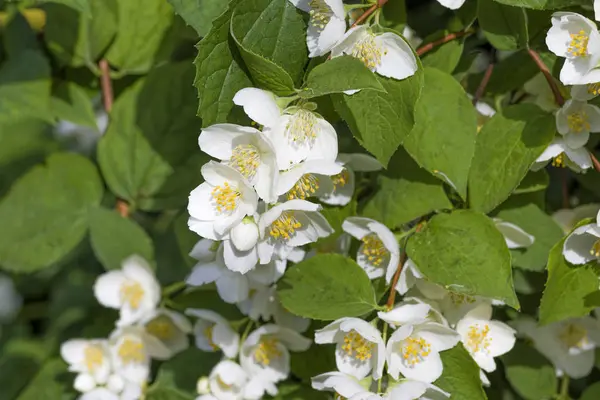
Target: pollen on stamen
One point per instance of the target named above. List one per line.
(93, 357)
(306, 186)
(594, 88)
(245, 158)
(579, 44)
(320, 13)
(373, 250)
(285, 226)
(595, 250)
(578, 122)
(267, 350)
(559, 161)
(415, 350)
(368, 51)
(131, 351)
(477, 338)
(357, 347)
(132, 293)
(208, 333)
(301, 129)
(340, 180)
(225, 197)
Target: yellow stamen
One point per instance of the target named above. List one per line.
(304, 188)
(131, 351)
(284, 227)
(246, 159)
(93, 357)
(341, 179)
(368, 51)
(302, 127)
(162, 327)
(594, 88)
(415, 350)
(579, 44)
(357, 346)
(374, 250)
(477, 338)
(574, 335)
(578, 122)
(208, 333)
(559, 161)
(320, 13)
(132, 293)
(595, 251)
(267, 350)
(225, 197)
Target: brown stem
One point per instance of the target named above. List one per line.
(544, 69)
(392, 296)
(484, 83)
(448, 38)
(370, 10)
(595, 161)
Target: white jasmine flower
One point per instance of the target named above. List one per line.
(452, 4)
(575, 120)
(575, 38)
(214, 333)
(307, 179)
(585, 92)
(386, 54)
(343, 385)
(10, 299)
(221, 202)
(413, 350)
(514, 236)
(568, 344)
(359, 346)
(129, 353)
(409, 276)
(342, 184)
(288, 225)
(406, 313)
(567, 218)
(90, 359)
(379, 253)
(454, 306)
(240, 253)
(245, 149)
(326, 26)
(170, 328)
(297, 133)
(583, 244)
(133, 290)
(226, 382)
(265, 352)
(484, 338)
(561, 154)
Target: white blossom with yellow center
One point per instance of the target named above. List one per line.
(213, 332)
(562, 155)
(327, 24)
(170, 330)
(575, 120)
(575, 38)
(296, 133)
(485, 338)
(387, 54)
(287, 226)
(221, 202)
(226, 381)
(379, 253)
(90, 359)
(130, 353)
(585, 92)
(266, 350)
(307, 179)
(583, 244)
(359, 346)
(133, 290)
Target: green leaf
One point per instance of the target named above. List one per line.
(534, 181)
(25, 87)
(538, 224)
(199, 14)
(504, 26)
(395, 108)
(293, 391)
(45, 214)
(592, 392)
(185, 368)
(445, 57)
(70, 102)
(593, 299)
(21, 360)
(18, 36)
(141, 27)
(274, 30)
(165, 388)
(327, 287)
(393, 15)
(464, 252)
(48, 383)
(77, 40)
(114, 238)
(529, 373)
(543, 4)
(149, 154)
(566, 288)
(335, 216)
(218, 75)
(326, 78)
(448, 156)
(405, 192)
(83, 6)
(506, 148)
(318, 359)
(461, 375)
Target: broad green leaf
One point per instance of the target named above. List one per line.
(218, 74)
(405, 192)
(529, 373)
(538, 224)
(208, 299)
(165, 388)
(187, 367)
(21, 360)
(149, 155)
(335, 216)
(506, 148)
(115, 238)
(18, 36)
(464, 252)
(593, 299)
(83, 6)
(504, 26)
(74, 38)
(592, 392)
(447, 156)
(25, 87)
(393, 15)
(141, 27)
(395, 109)
(70, 102)
(327, 287)
(461, 375)
(45, 214)
(199, 14)
(566, 288)
(445, 57)
(294, 391)
(326, 78)
(274, 30)
(533, 182)
(47, 384)
(543, 4)
(318, 359)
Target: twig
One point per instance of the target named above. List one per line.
(370, 10)
(595, 162)
(448, 38)
(484, 83)
(544, 69)
(392, 296)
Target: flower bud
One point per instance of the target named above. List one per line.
(202, 387)
(245, 234)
